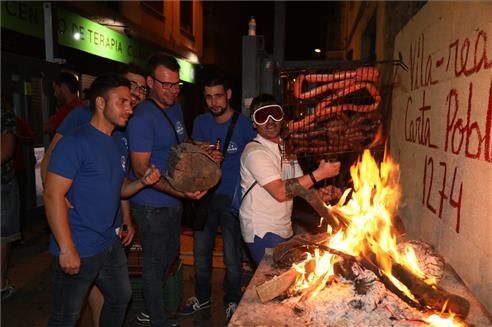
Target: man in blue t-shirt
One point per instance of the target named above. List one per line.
(212, 129)
(155, 127)
(85, 170)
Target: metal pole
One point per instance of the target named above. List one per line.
(48, 32)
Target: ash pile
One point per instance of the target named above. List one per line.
(351, 294)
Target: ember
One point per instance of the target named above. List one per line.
(366, 246)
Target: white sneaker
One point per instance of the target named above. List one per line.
(143, 319)
(231, 308)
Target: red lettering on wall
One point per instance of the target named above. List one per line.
(442, 193)
(419, 75)
(488, 127)
(461, 64)
(456, 203)
(418, 130)
(427, 191)
(459, 130)
(430, 162)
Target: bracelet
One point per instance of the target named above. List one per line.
(312, 178)
(142, 182)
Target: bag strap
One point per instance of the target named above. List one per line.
(167, 118)
(230, 130)
(254, 183)
(249, 189)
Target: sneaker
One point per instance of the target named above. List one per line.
(143, 319)
(231, 308)
(193, 305)
(8, 291)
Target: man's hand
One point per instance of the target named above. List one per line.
(212, 151)
(326, 170)
(217, 156)
(194, 195)
(330, 193)
(151, 176)
(128, 235)
(69, 261)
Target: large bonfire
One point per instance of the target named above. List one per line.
(369, 209)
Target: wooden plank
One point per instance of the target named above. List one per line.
(277, 285)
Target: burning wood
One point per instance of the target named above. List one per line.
(313, 198)
(362, 252)
(424, 295)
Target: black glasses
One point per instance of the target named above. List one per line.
(168, 85)
(137, 87)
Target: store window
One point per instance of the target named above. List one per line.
(186, 17)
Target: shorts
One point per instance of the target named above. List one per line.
(10, 212)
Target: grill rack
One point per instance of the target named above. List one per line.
(333, 113)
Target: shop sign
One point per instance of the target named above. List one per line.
(80, 33)
(23, 17)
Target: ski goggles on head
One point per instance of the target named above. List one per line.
(262, 114)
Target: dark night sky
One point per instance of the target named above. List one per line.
(226, 22)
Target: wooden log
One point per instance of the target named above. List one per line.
(296, 249)
(313, 198)
(325, 248)
(428, 296)
(277, 285)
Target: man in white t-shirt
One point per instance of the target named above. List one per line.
(266, 207)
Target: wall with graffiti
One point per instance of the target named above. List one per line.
(441, 132)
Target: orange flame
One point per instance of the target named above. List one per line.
(378, 138)
(373, 203)
(439, 321)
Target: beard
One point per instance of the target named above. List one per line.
(219, 112)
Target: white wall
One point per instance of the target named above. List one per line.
(441, 134)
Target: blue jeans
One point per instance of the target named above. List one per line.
(219, 213)
(257, 248)
(108, 270)
(159, 231)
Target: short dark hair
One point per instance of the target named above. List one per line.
(102, 84)
(69, 80)
(162, 59)
(216, 80)
(134, 69)
(261, 100)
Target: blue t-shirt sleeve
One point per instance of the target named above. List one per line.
(248, 130)
(66, 158)
(181, 117)
(140, 133)
(197, 133)
(75, 118)
(251, 132)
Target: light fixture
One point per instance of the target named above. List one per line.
(317, 50)
(76, 36)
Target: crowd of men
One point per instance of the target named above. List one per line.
(105, 169)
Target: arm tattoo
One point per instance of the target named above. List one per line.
(290, 186)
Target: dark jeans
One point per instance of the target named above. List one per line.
(108, 270)
(219, 213)
(159, 230)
